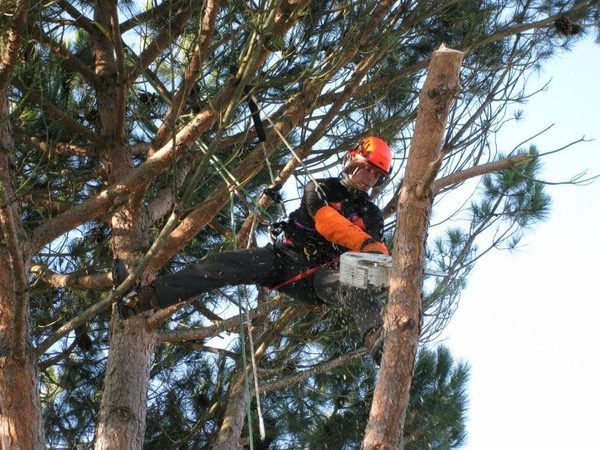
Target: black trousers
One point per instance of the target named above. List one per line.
(269, 266)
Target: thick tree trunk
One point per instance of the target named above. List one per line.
(20, 411)
(20, 418)
(403, 314)
(122, 421)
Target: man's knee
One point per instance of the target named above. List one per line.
(327, 286)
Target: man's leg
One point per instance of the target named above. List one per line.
(362, 303)
(250, 266)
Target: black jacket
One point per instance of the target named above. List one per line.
(355, 205)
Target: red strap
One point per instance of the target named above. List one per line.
(301, 275)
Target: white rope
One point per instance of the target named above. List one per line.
(261, 422)
(319, 190)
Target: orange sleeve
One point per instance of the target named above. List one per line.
(337, 229)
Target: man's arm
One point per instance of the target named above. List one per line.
(337, 229)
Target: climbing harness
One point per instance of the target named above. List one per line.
(303, 275)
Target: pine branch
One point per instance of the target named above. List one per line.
(58, 357)
(46, 202)
(59, 115)
(57, 148)
(64, 55)
(85, 23)
(151, 14)
(191, 74)
(155, 48)
(217, 328)
(296, 378)
(75, 322)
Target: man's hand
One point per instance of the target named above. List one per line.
(373, 246)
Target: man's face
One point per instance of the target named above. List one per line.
(364, 177)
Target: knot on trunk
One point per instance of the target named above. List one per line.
(123, 413)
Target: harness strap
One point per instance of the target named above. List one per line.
(301, 275)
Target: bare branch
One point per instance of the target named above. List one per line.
(72, 281)
(218, 327)
(296, 378)
(482, 169)
(522, 27)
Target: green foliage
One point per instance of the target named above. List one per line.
(524, 198)
(438, 402)
(514, 199)
(331, 411)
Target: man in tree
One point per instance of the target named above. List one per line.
(335, 216)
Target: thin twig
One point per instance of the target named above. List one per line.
(305, 374)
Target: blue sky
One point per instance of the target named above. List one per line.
(528, 320)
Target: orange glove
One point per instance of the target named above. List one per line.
(373, 246)
(337, 229)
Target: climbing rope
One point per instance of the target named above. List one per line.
(243, 342)
(235, 186)
(261, 422)
(319, 190)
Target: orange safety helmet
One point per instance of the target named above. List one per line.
(372, 149)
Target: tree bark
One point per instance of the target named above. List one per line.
(402, 316)
(21, 424)
(122, 422)
(20, 410)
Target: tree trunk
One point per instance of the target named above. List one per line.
(402, 316)
(122, 422)
(20, 410)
